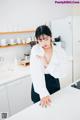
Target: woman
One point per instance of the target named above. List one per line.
(48, 66)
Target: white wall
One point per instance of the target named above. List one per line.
(23, 14)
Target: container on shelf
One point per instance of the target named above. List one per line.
(27, 57)
(12, 41)
(28, 40)
(18, 41)
(3, 42)
(23, 41)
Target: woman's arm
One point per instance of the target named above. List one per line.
(37, 75)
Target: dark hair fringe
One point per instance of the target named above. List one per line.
(42, 30)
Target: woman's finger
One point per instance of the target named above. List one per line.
(43, 103)
(49, 98)
(46, 101)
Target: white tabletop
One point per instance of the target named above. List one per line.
(65, 106)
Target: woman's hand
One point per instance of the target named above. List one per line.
(45, 101)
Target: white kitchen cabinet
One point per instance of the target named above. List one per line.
(68, 79)
(4, 106)
(69, 30)
(76, 47)
(19, 94)
(28, 90)
(63, 28)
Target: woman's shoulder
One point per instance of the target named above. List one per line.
(35, 48)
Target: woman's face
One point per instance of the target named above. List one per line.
(44, 41)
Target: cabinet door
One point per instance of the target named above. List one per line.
(4, 107)
(63, 27)
(17, 94)
(68, 79)
(76, 47)
(28, 90)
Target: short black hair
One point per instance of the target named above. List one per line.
(42, 30)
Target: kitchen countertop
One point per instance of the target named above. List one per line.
(65, 106)
(15, 71)
(11, 74)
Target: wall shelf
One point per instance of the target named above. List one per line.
(23, 35)
(18, 32)
(7, 46)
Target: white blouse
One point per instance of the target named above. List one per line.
(57, 67)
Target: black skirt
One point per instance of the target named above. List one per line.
(52, 85)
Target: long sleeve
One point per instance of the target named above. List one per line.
(61, 65)
(37, 75)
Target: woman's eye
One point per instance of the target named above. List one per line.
(45, 39)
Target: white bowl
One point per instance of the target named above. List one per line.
(12, 41)
(18, 40)
(3, 42)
